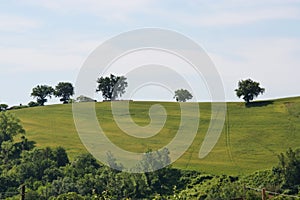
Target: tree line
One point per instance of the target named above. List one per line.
(63, 90)
(112, 87)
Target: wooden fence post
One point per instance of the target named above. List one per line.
(23, 192)
(263, 194)
(244, 191)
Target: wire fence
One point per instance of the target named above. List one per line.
(272, 193)
(4, 195)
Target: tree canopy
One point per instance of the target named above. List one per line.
(111, 87)
(248, 90)
(289, 168)
(3, 107)
(182, 95)
(41, 92)
(64, 90)
(9, 127)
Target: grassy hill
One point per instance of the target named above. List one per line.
(251, 139)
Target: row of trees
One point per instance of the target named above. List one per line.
(114, 86)
(111, 88)
(64, 90)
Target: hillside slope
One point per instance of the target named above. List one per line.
(251, 139)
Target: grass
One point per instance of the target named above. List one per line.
(252, 137)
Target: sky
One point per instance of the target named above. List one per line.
(47, 41)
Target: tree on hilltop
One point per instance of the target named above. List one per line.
(248, 90)
(3, 107)
(64, 90)
(182, 95)
(111, 87)
(41, 92)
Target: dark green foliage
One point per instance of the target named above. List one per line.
(63, 185)
(52, 173)
(61, 157)
(3, 107)
(70, 196)
(111, 87)
(112, 162)
(9, 150)
(217, 188)
(64, 90)
(41, 92)
(248, 89)
(34, 163)
(9, 127)
(263, 179)
(289, 169)
(33, 104)
(18, 107)
(30, 195)
(154, 160)
(84, 164)
(182, 95)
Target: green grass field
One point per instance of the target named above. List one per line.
(251, 139)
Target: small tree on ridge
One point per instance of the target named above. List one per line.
(182, 95)
(41, 92)
(111, 87)
(248, 89)
(64, 90)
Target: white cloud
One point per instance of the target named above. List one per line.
(14, 23)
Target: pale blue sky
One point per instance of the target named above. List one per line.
(47, 41)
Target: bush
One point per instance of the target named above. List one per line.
(33, 104)
(70, 196)
(17, 107)
(3, 107)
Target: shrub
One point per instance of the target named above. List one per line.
(33, 104)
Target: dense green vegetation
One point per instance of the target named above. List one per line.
(48, 174)
(252, 137)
